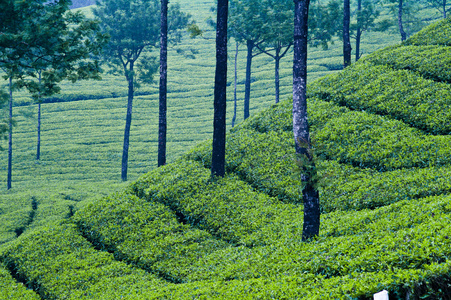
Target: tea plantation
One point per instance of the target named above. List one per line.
(381, 132)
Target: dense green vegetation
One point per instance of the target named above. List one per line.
(175, 233)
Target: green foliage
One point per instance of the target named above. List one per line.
(435, 34)
(346, 188)
(11, 289)
(58, 263)
(400, 94)
(432, 62)
(227, 208)
(145, 234)
(371, 141)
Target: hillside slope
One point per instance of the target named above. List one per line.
(381, 131)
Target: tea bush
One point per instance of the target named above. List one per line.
(431, 62)
(145, 234)
(11, 289)
(58, 263)
(399, 94)
(435, 34)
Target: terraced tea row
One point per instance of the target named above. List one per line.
(400, 94)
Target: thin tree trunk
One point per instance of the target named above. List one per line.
(444, 9)
(347, 49)
(234, 87)
(10, 136)
(128, 122)
(220, 96)
(247, 88)
(276, 75)
(162, 124)
(38, 150)
(359, 31)
(300, 120)
(401, 28)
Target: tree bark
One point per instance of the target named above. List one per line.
(300, 120)
(235, 86)
(347, 49)
(38, 148)
(162, 124)
(128, 122)
(220, 96)
(359, 31)
(401, 28)
(10, 135)
(247, 89)
(276, 75)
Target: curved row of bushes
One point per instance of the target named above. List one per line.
(431, 62)
(11, 289)
(226, 207)
(434, 34)
(145, 234)
(372, 141)
(58, 263)
(399, 94)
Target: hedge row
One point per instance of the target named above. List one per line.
(11, 289)
(400, 94)
(347, 188)
(278, 117)
(227, 207)
(372, 141)
(145, 234)
(59, 264)
(405, 236)
(432, 62)
(435, 34)
(264, 160)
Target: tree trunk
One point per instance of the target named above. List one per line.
(220, 96)
(10, 136)
(247, 88)
(38, 148)
(401, 28)
(300, 121)
(128, 122)
(162, 124)
(276, 75)
(234, 87)
(359, 31)
(347, 49)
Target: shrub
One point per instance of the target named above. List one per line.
(145, 234)
(431, 62)
(399, 94)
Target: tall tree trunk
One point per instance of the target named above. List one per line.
(38, 148)
(162, 124)
(10, 136)
(128, 122)
(401, 28)
(276, 75)
(300, 120)
(359, 31)
(247, 88)
(347, 49)
(234, 87)
(220, 96)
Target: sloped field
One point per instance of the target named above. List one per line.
(381, 134)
